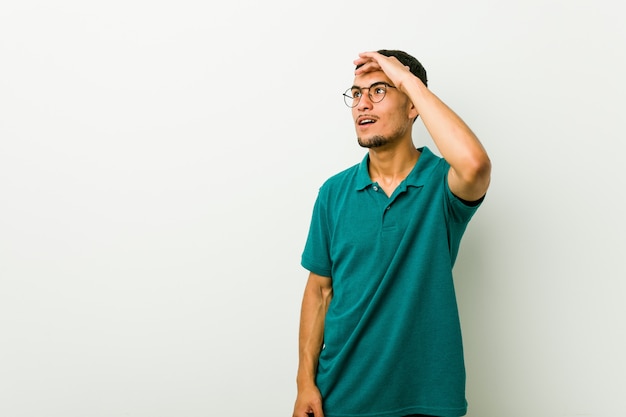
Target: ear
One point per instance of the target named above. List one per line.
(413, 113)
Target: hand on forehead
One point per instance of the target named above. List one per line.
(369, 62)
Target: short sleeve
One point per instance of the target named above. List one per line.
(316, 254)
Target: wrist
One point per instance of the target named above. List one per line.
(305, 383)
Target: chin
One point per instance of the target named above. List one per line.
(373, 142)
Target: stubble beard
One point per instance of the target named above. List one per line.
(378, 141)
(374, 142)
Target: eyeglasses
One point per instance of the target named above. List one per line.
(376, 93)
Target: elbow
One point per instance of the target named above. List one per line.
(478, 170)
(472, 181)
(482, 176)
(483, 169)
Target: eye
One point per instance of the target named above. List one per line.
(379, 90)
(356, 93)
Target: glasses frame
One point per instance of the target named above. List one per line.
(355, 102)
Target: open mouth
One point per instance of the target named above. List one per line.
(365, 120)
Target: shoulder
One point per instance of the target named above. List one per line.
(431, 159)
(341, 179)
(430, 169)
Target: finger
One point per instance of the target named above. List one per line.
(369, 66)
(367, 56)
(361, 61)
(317, 411)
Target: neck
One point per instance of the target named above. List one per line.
(392, 162)
(389, 167)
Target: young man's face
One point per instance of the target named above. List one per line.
(385, 122)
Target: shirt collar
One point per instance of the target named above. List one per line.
(415, 177)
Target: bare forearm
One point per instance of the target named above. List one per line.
(309, 356)
(317, 296)
(312, 318)
(459, 146)
(453, 137)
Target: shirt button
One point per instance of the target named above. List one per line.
(375, 188)
(388, 207)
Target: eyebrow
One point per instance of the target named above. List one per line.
(372, 85)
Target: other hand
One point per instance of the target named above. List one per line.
(308, 402)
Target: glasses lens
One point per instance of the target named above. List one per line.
(352, 96)
(377, 92)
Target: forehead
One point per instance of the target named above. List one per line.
(369, 78)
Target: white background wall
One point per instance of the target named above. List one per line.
(159, 162)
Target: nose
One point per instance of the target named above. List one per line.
(365, 103)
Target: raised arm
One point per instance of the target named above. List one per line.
(470, 170)
(317, 295)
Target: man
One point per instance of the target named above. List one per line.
(379, 327)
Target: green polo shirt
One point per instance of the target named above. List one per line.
(392, 337)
